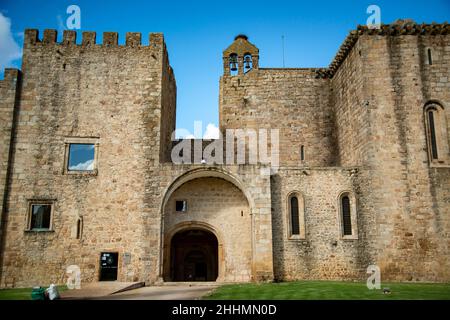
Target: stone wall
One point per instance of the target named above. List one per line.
(412, 215)
(168, 110)
(352, 126)
(9, 90)
(294, 101)
(379, 93)
(322, 253)
(111, 92)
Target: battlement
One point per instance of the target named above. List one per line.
(398, 28)
(110, 39)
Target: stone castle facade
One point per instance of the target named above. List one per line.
(363, 176)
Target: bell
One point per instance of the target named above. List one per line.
(247, 61)
(233, 62)
(233, 66)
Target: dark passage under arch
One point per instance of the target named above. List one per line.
(194, 256)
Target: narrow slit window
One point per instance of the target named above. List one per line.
(79, 228)
(434, 150)
(430, 58)
(346, 216)
(302, 153)
(295, 221)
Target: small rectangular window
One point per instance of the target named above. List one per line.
(430, 58)
(81, 157)
(40, 217)
(181, 206)
(302, 153)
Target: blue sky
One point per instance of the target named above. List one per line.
(81, 157)
(196, 33)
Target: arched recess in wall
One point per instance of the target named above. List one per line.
(295, 216)
(347, 215)
(205, 172)
(248, 62)
(436, 130)
(233, 64)
(193, 225)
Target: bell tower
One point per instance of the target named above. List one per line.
(240, 57)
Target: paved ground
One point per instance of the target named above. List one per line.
(99, 289)
(135, 291)
(192, 292)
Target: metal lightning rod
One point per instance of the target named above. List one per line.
(282, 47)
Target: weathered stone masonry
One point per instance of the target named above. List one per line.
(361, 124)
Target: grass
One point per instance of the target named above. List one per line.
(20, 293)
(302, 290)
(329, 290)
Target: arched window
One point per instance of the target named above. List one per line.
(296, 216)
(432, 133)
(436, 134)
(347, 215)
(295, 221)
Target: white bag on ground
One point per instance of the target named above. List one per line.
(52, 292)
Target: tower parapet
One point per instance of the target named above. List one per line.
(110, 39)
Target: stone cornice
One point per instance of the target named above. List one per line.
(398, 28)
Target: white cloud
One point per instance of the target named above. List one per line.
(9, 49)
(212, 132)
(84, 166)
(88, 147)
(182, 133)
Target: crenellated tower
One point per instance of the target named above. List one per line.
(120, 98)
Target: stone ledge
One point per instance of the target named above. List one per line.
(398, 28)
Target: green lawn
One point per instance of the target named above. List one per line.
(328, 290)
(20, 294)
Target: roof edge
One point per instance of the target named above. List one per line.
(398, 28)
